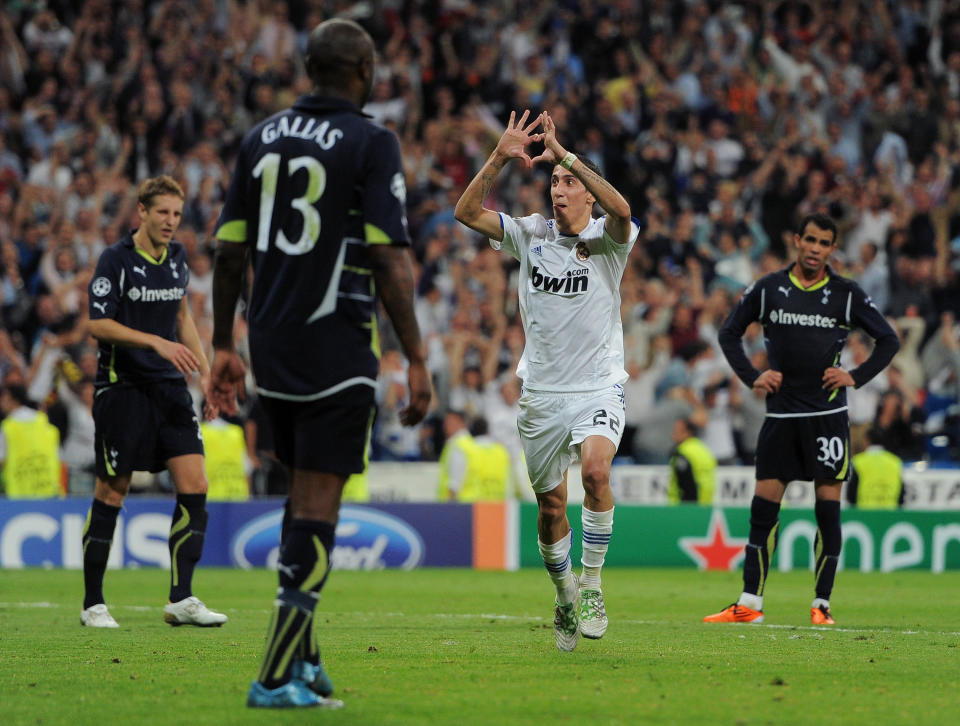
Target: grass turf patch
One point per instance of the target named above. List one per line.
(463, 647)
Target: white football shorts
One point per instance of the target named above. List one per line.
(553, 425)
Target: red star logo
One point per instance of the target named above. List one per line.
(718, 550)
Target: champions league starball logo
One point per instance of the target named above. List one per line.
(100, 287)
(398, 188)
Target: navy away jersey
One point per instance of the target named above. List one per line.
(804, 331)
(313, 187)
(134, 289)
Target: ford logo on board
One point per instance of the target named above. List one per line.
(367, 539)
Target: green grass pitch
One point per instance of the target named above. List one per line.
(462, 647)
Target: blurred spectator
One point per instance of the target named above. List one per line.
(877, 476)
(639, 391)
(863, 402)
(77, 450)
(718, 123)
(941, 365)
(749, 412)
(392, 441)
(911, 331)
(941, 359)
(874, 275)
(225, 460)
(501, 404)
(29, 448)
(692, 466)
(720, 399)
(653, 441)
(899, 427)
(473, 466)
(44, 32)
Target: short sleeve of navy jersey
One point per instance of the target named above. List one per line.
(385, 196)
(104, 289)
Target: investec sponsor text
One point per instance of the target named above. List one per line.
(782, 317)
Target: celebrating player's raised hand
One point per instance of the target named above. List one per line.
(517, 136)
(553, 152)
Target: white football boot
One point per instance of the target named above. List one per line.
(97, 616)
(192, 611)
(593, 615)
(566, 621)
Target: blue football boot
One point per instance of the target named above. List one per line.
(293, 694)
(314, 676)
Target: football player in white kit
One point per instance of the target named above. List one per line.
(572, 365)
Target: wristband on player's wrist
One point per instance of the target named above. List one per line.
(567, 161)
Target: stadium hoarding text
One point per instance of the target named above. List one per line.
(930, 490)
(47, 533)
(713, 538)
(934, 489)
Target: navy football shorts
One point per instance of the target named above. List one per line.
(804, 448)
(327, 435)
(141, 427)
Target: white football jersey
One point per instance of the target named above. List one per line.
(569, 303)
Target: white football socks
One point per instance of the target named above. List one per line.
(597, 528)
(556, 558)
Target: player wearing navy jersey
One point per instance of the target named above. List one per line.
(807, 311)
(316, 204)
(142, 411)
(572, 365)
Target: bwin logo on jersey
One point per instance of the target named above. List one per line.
(573, 282)
(162, 295)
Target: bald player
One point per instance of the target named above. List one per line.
(316, 206)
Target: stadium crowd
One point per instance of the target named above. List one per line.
(721, 123)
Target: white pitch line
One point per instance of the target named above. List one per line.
(817, 628)
(536, 618)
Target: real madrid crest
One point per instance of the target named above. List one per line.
(583, 252)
